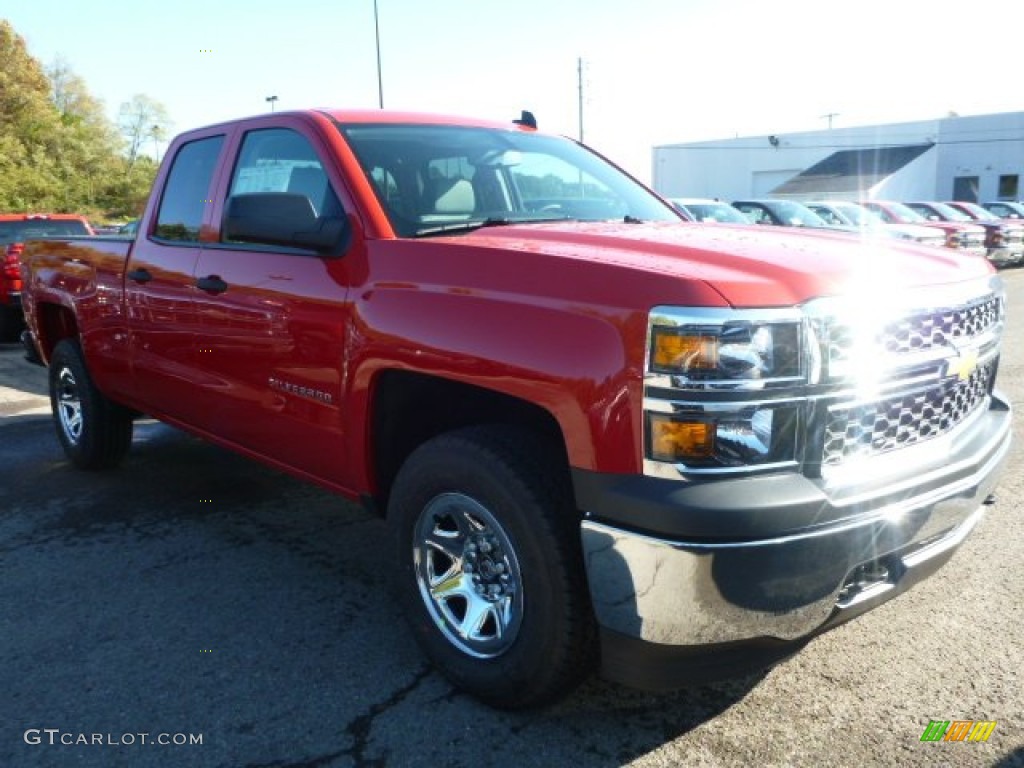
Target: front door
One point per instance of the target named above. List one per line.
(273, 320)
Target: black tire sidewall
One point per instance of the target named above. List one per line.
(106, 431)
(528, 670)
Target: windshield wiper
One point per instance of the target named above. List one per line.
(493, 221)
(627, 219)
(463, 226)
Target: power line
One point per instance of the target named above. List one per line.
(758, 146)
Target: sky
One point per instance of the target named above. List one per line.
(653, 71)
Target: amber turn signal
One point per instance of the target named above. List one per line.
(676, 352)
(680, 440)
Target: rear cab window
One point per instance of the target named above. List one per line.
(186, 193)
(32, 227)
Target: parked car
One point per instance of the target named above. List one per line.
(969, 238)
(997, 248)
(1005, 241)
(15, 228)
(708, 210)
(782, 213)
(1005, 209)
(849, 214)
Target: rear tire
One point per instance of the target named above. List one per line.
(489, 570)
(12, 322)
(95, 432)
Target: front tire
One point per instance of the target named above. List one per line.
(489, 568)
(95, 432)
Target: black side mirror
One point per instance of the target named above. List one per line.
(282, 218)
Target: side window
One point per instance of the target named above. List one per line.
(279, 175)
(186, 191)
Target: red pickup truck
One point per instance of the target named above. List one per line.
(15, 228)
(600, 435)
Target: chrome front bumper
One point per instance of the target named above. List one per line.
(692, 593)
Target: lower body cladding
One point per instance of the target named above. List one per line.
(678, 609)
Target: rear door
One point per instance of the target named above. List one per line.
(160, 286)
(272, 318)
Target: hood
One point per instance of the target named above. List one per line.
(747, 266)
(916, 231)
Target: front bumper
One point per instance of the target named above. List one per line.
(1006, 256)
(667, 602)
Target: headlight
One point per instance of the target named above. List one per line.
(739, 351)
(741, 369)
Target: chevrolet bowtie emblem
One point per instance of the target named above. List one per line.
(963, 365)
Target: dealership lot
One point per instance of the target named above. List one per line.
(193, 593)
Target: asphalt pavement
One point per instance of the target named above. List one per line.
(193, 608)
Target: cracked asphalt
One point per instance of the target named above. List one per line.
(192, 592)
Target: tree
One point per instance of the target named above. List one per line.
(28, 127)
(58, 150)
(88, 146)
(142, 118)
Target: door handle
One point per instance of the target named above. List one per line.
(211, 284)
(140, 275)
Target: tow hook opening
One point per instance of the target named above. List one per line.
(869, 579)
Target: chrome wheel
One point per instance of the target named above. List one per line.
(468, 575)
(69, 406)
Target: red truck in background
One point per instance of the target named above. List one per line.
(15, 228)
(600, 435)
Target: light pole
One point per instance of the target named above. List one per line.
(376, 34)
(271, 99)
(579, 82)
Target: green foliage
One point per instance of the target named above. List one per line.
(58, 151)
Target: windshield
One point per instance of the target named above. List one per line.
(432, 179)
(906, 213)
(720, 212)
(949, 213)
(797, 214)
(975, 211)
(28, 229)
(861, 217)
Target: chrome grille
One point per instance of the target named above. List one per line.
(923, 331)
(897, 422)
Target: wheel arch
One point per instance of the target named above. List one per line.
(53, 324)
(408, 409)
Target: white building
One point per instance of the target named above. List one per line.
(976, 158)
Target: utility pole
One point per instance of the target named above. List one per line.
(829, 117)
(376, 33)
(579, 83)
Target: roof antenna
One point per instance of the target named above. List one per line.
(527, 119)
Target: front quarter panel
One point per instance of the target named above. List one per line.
(516, 323)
